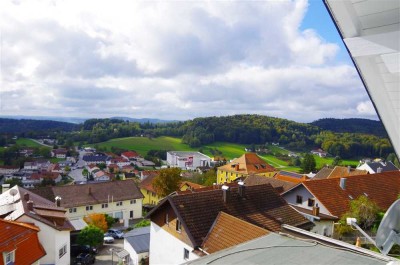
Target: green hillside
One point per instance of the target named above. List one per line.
(28, 142)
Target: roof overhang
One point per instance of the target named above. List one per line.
(370, 30)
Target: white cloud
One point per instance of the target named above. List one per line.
(173, 60)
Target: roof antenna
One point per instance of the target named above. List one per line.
(388, 232)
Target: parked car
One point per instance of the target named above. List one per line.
(85, 259)
(108, 238)
(115, 233)
(77, 249)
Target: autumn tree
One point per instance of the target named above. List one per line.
(167, 181)
(98, 220)
(90, 235)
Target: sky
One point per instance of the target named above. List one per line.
(176, 60)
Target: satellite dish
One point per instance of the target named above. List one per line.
(13, 192)
(389, 229)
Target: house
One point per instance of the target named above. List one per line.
(8, 170)
(119, 161)
(46, 175)
(17, 239)
(338, 172)
(120, 199)
(129, 169)
(145, 173)
(27, 152)
(290, 176)
(146, 187)
(319, 152)
(326, 200)
(59, 153)
(95, 159)
(137, 243)
(377, 167)
(187, 185)
(279, 185)
(101, 176)
(247, 164)
(187, 160)
(21, 205)
(296, 247)
(30, 166)
(184, 221)
(130, 155)
(113, 168)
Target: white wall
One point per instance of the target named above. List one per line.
(135, 257)
(324, 228)
(167, 249)
(290, 197)
(52, 240)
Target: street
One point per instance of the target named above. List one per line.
(105, 257)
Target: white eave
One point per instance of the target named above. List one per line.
(371, 32)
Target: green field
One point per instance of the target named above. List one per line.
(229, 150)
(28, 142)
(323, 161)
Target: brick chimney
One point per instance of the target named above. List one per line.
(58, 201)
(241, 189)
(315, 210)
(348, 169)
(26, 196)
(30, 205)
(225, 193)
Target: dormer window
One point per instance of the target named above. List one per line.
(9, 258)
(311, 202)
(178, 226)
(299, 199)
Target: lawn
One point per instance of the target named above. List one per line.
(28, 142)
(323, 161)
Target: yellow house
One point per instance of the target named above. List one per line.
(249, 163)
(150, 195)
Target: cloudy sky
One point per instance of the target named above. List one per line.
(175, 60)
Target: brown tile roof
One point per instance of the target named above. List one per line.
(290, 176)
(228, 231)
(382, 188)
(192, 185)
(341, 172)
(93, 193)
(261, 206)
(323, 173)
(22, 238)
(249, 163)
(147, 183)
(279, 185)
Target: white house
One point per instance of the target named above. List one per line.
(187, 160)
(7, 170)
(136, 243)
(377, 167)
(22, 205)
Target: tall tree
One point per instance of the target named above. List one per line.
(308, 164)
(167, 181)
(90, 235)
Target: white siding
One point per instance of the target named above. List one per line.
(135, 258)
(167, 249)
(291, 196)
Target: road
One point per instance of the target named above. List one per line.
(105, 258)
(76, 173)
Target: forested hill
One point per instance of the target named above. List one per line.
(37, 126)
(352, 126)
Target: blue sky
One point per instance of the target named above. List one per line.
(176, 60)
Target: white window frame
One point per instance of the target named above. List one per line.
(11, 256)
(133, 201)
(119, 203)
(89, 208)
(104, 205)
(72, 210)
(62, 251)
(178, 226)
(185, 254)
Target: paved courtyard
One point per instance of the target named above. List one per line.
(105, 258)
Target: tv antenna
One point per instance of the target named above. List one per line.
(388, 232)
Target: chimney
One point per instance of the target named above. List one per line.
(26, 196)
(5, 187)
(315, 210)
(348, 169)
(30, 205)
(225, 193)
(343, 183)
(58, 201)
(379, 170)
(237, 167)
(241, 189)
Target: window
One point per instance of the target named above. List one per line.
(311, 202)
(133, 201)
(89, 208)
(104, 205)
(178, 225)
(185, 253)
(10, 258)
(62, 251)
(119, 203)
(72, 210)
(299, 199)
(131, 214)
(166, 219)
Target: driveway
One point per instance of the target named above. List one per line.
(105, 258)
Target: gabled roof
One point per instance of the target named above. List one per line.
(385, 166)
(228, 231)
(382, 188)
(147, 183)
(22, 238)
(290, 176)
(279, 185)
(43, 210)
(323, 173)
(261, 206)
(249, 163)
(341, 172)
(139, 239)
(191, 185)
(92, 193)
(130, 154)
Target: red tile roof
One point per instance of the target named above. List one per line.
(382, 188)
(191, 185)
(147, 183)
(341, 172)
(279, 185)
(130, 154)
(22, 238)
(222, 236)
(261, 206)
(249, 163)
